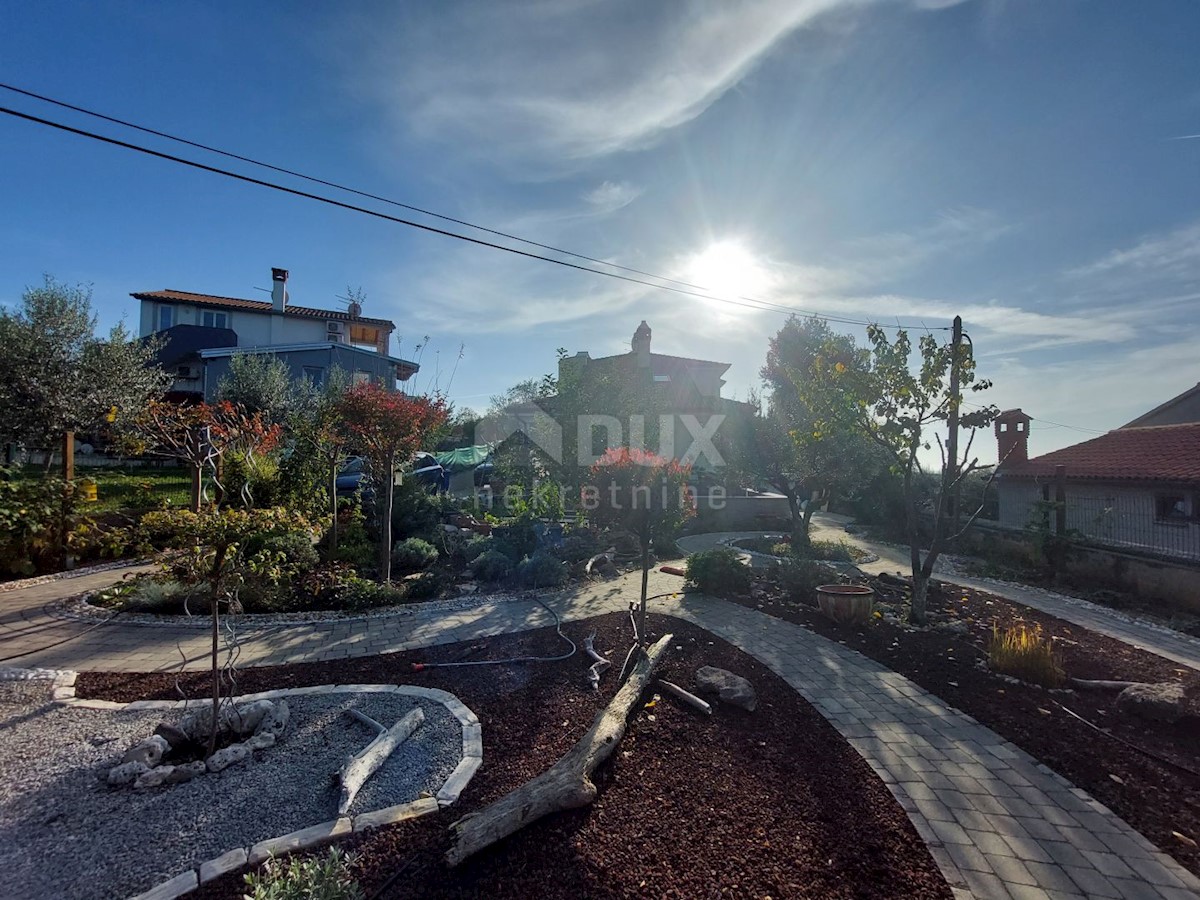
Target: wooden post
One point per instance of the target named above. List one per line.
(197, 488)
(952, 424)
(68, 455)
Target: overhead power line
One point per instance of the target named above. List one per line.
(682, 287)
(1047, 421)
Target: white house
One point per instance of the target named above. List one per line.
(203, 331)
(1136, 487)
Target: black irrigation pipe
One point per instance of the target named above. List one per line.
(1130, 744)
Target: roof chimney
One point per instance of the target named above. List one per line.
(1012, 437)
(279, 295)
(641, 344)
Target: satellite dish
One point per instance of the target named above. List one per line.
(354, 309)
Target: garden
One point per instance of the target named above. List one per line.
(1121, 723)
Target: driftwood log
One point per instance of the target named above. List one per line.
(600, 666)
(565, 785)
(687, 697)
(366, 762)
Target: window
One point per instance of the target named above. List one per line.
(315, 374)
(361, 377)
(166, 317)
(210, 319)
(1172, 508)
(1003, 427)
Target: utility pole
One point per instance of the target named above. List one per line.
(952, 423)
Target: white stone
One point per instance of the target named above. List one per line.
(156, 777)
(260, 741)
(246, 718)
(276, 721)
(126, 773)
(228, 756)
(149, 751)
(473, 741)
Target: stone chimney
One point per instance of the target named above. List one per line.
(279, 295)
(1012, 437)
(641, 345)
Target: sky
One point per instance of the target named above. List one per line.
(1032, 166)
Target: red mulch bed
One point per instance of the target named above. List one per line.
(1154, 797)
(766, 804)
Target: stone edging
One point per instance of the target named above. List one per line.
(472, 758)
(79, 609)
(34, 581)
(731, 543)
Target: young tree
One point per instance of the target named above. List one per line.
(260, 383)
(199, 435)
(316, 421)
(387, 426)
(787, 449)
(643, 493)
(877, 394)
(57, 376)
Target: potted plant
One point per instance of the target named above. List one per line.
(846, 604)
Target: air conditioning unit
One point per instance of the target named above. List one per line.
(188, 373)
(335, 327)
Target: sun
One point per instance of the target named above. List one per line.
(729, 270)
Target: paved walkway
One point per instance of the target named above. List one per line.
(1160, 640)
(999, 824)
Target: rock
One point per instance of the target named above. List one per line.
(175, 737)
(954, 626)
(247, 717)
(728, 687)
(197, 724)
(150, 751)
(229, 756)
(188, 771)
(126, 773)
(156, 777)
(1156, 702)
(276, 721)
(260, 741)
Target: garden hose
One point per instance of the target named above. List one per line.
(419, 667)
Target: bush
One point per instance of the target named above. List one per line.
(360, 594)
(31, 519)
(427, 587)
(492, 565)
(800, 578)
(355, 547)
(413, 555)
(516, 538)
(416, 512)
(719, 572)
(542, 570)
(1025, 653)
(314, 878)
(256, 479)
(296, 547)
(475, 547)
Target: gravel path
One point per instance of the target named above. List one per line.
(65, 835)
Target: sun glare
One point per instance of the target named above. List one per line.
(727, 269)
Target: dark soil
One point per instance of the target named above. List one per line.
(1155, 796)
(766, 804)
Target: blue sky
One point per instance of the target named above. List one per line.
(1020, 162)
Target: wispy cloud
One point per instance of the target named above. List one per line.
(611, 196)
(1174, 254)
(573, 80)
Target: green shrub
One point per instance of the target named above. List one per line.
(31, 520)
(542, 570)
(416, 512)
(516, 538)
(360, 594)
(1025, 653)
(296, 547)
(800, 578)
(313, 878)
(475, 547)
(255, 479)
(719, 572)
(579, 547)
(492, 565)
(413, 555)
(355, 547)
(427, 587)
(151, 595)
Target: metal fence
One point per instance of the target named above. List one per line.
(1142, 522)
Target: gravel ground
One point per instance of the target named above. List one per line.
(65, 835)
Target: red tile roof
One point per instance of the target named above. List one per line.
(257, 306)
(1164, 453)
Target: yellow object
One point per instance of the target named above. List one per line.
(87, 490)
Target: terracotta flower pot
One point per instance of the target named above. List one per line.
(846, 604)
